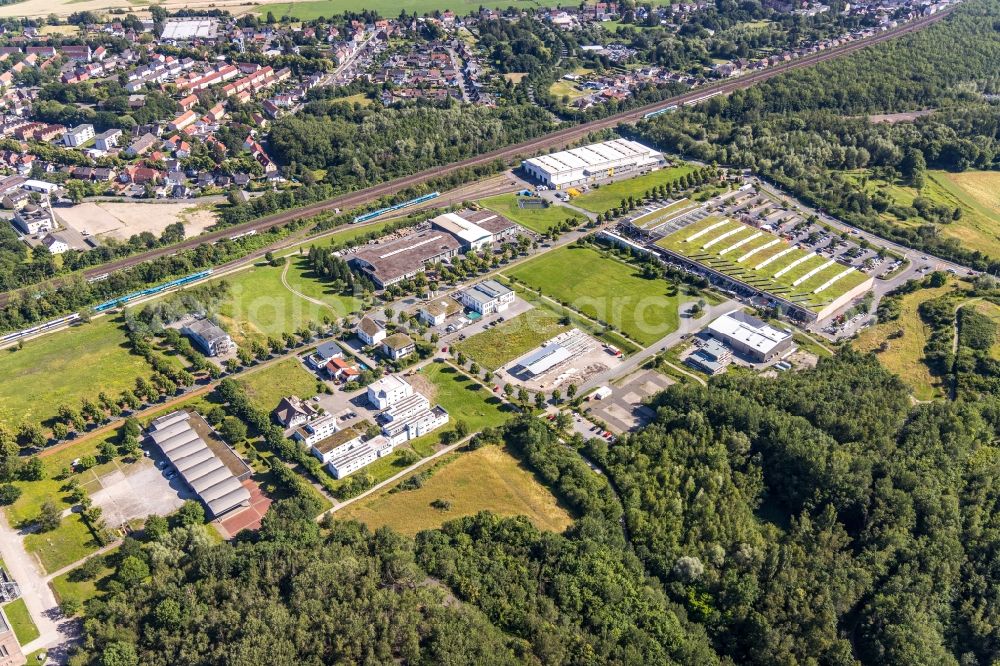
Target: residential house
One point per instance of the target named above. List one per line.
(79, 135)
(107, 140)
(293, 412)
(141, 145)
(324, 353)
(317, 430)
(397, 346)
(370, 331)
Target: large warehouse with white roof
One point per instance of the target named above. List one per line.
(589, 164)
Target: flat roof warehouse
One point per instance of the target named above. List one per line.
(590, 163)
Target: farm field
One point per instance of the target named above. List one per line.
(268, 386)
(488, 479)
(751, 255)
(64, 368)
(20, 621)
(976, 193)
(536, 219)
(606, 197)
(905, 355)
(604, 289)
(495, 347)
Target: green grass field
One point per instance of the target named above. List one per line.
(70, 542)
(260, 305)
(312, 9)
(495, 347)
(606, 197)
(346, 234)
(604, 289)
(21, 622)
(976, 193)
(268, 386)
(81, 591)
(752, 256)
(540, 220)
(488, 479)
(65, 367)
(905, 355)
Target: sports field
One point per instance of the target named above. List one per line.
(63, 368)
(606, 197)
(268, 386)
(536, 219)
(905, 354)
(497, 346)
(976, 193)
(764, 261)
(488, 479)
(604, 289)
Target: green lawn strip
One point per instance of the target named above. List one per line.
(608, 196)
(21, 622)
(801, 270)
(761, 255)
(63, 368)
(536, 219)
(603, 289)
(824, 276)
(68, 543)
(515, 337)
(349, 233)
(268, 386)
(81, 591)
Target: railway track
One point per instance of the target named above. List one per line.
(557, 139)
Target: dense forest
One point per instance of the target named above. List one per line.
(805, 128)
(815, 518)
(360, 146)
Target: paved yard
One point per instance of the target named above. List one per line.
(136, 491)
(623, 409)
(249, 518)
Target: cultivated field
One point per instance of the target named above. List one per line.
(905, 355)
(536, 219)
(122, 220)
(606, 197)
(976, 193)
(64, 368)
(497, 346)
(488, 479)
(268, 386)
(764, 261)
(604, 289)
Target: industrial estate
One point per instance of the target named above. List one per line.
(273, 343)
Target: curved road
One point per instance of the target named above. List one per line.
(557, 139)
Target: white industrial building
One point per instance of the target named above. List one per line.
(542, 360)
(592, 163)
(751, 337)
(486, 297)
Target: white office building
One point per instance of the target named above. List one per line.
(387, 391)
(317, 430)
(362, 455)
(415, 425)
(751, 337)
(486, 297)
(579, 166)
